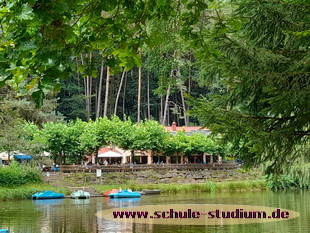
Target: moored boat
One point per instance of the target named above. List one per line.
(80, 194)
(47, 195)
(106, 193)
(124, 193)
(140, 192)
(151, 191)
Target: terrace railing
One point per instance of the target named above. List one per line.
(142, 167)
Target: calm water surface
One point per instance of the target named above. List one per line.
(76, 216)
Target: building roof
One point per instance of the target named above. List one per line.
(110, 154)
(189, 130)
(107, 149)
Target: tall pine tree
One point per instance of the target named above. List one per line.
(258, 52)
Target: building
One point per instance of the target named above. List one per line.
(116, 155)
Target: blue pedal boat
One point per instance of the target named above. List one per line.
(47, 195)
(124, 193)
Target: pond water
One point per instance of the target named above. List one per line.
(67, 215)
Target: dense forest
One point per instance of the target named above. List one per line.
(122, 97)
(240, 68)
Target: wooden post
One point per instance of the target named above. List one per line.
(182, 158)
(204, 158)
(149, 158)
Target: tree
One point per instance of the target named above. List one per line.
(139, 94)
(258, 52)
(194, 144)
(15, 116)
(63, 140)
(105, 109)
(119, 91)
(71, 100)
(10, 124)
(98, 107)
(36, 48)
(105, 132)
(34, 143)
(148, 135)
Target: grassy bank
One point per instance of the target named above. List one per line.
(20, 181)
(192, 188)
(19, 174)
(25, 191)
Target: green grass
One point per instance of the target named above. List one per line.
(25, 191)
(18, 174)
(191, 188)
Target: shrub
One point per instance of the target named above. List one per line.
(16, 175)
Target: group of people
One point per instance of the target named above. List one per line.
(55, 167)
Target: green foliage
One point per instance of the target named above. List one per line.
(251, 56)
(263, 109)
(19, 122)
(297, 177)
(63, 140)
(69, 142)
(25, 191)
(148, 135)
(195, 144)
(71, 99)
(106, 131)
(44, 35)
(16, 175)
(193, 188)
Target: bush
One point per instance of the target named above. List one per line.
(16, 175)
(25, 191)
(192, 188)
(298, 177)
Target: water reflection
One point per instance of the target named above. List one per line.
(113, 226)
(69, 215)
(81, 201)
(48, 202)
(122, 202)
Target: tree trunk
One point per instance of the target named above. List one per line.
(99, 91)
(96, 81)
(139, 94)
(166, 105)
(161, 110)
(96, 154)
(168, 94)
(90, 87)
(167, 98)
(106, 93)
(60, 158)
(86, 89)
(184, 106)
(119, 91)
(124, 94)
(148, 96)
(77, 73)
(189, 85)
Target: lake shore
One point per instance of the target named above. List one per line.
(192, 182)
(230, 186)
(25, 191)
